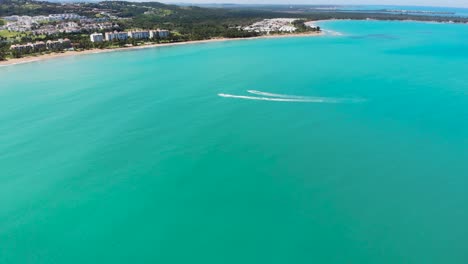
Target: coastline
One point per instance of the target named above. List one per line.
(30, 59)
(389, 20)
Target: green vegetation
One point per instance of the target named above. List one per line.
(232, 14)
(21, 37)
(2, 22)
(23, 7)
(4, 49)
(10, 34)
(185, 22)
(302, 27)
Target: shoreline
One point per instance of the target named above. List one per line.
(44, 57)
(37, 58)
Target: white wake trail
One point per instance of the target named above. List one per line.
(280, 95)
(303, 100)
(313, 98)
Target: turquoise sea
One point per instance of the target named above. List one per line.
(352, 148)
(415, 10)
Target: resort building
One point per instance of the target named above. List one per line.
(55, 45)
(116, 35)
(22, 49)
(163, 33)
(96, 37)
(66, 43)
(159, 33)
(139, 34)
(41, 46)
(272, 25)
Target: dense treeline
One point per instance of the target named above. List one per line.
(4, 49)
(380, 16)
(302, 27)
(146, 12)
(28, 8)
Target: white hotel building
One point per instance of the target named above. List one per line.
(139, 34)
(110, 36)
(96, 37)
(161, 33)
(116, 35)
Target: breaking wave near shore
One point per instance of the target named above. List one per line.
(265, 96)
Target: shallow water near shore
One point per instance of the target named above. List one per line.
(359, 155)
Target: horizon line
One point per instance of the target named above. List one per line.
(289, 4)
(177, 2)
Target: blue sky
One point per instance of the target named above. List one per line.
(452, 3)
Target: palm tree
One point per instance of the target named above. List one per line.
(3, 48)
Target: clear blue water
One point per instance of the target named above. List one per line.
(454, 11)
(133, 157)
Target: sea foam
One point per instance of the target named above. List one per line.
(265, 96)
(299, 100)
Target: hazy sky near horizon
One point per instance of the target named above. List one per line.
(448, 3)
